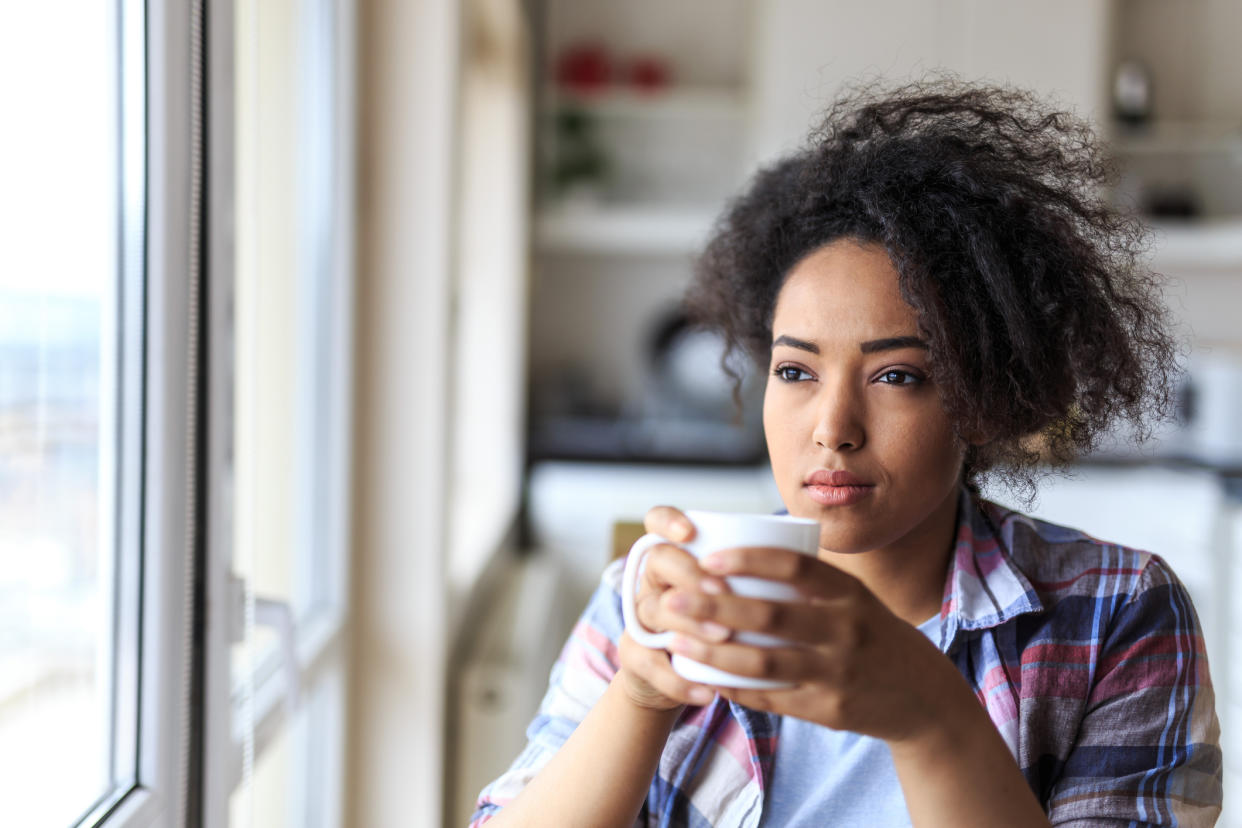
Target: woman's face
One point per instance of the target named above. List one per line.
(856, 433)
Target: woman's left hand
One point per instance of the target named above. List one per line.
(855, 665)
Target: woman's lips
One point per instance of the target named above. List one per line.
(828, 477)
(837, 495)
(836, 488)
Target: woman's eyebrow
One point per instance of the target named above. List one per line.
(892, 343)
(800, 344)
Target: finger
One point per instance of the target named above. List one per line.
(812, 576)
(660, 613)
(664, 566)
(655, 668)
(668, 565)
(802, 622)
(668, 522)
(668, 612)
(790, 701)
(670, 573)
(792, 664)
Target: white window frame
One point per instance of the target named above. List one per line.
(166, 318)
(188, 751)
(321, 652)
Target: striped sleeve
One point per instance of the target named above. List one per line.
(582, 673)
(1147, 750)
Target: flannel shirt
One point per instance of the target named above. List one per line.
(1087, 655)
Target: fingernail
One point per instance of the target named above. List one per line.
(715, 562)
(714, 631)
(681, 529)
(701, 695)
(711, 586)
(679, 602)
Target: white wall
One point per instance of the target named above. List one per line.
(487, 365)
(698, 37)
(806, 49)
(408, 59)
(1191, 50)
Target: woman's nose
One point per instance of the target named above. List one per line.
(838, 424)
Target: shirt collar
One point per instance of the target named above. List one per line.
(984, 587)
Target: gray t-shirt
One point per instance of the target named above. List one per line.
(823, 777)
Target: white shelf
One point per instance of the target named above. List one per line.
(688, 102)
(624, 229)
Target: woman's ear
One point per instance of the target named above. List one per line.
(977, 439)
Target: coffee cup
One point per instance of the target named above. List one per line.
(714, 531)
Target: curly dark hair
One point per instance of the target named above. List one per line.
(1045, 326)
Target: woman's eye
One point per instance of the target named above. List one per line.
(789, 373)
(896, 377)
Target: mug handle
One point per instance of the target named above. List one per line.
(629, 592)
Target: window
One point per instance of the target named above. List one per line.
(71, 414)
(173, 411)
(280, 396)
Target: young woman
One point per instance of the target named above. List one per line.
(938, 291)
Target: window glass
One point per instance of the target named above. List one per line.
(59, 410)
(289, 344)
(290, 402)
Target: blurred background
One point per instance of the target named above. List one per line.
(413, 268)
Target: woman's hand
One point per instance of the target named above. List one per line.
(855, 665)
(671, 579)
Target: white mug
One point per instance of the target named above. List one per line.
(713, 531)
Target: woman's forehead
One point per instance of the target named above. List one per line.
(843, 290)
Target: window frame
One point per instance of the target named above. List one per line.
(175, 356)
(163, 474)
(128, 429)
(321, 652)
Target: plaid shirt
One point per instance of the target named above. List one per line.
(1087, 656)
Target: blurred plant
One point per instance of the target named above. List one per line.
(580, 162)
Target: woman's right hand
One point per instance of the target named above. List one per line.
(670, 574)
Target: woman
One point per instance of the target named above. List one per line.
(938, 293)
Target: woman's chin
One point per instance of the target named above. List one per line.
(841, 541)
